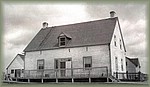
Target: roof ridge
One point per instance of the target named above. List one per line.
(82, 22)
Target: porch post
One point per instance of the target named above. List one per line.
(42, 76)
(42, 80)
(107, 74)
(72, 75)
(56, 76)
(89, 76)
(29, 77)
(28, 80)
(139, 76)
(72, 71)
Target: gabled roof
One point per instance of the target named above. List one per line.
(83, 34)
(21, 56)
(135, 61)
(63, 34)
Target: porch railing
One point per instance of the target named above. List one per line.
(138, 76)
(68, 73)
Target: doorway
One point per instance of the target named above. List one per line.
(64, 66)
(17, 72)
(62, 69)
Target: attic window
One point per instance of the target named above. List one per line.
(62, 41)
(120, 44)
(115, 40)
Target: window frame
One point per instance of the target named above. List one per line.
(120, 44)
(116, 63)
(60, 42)
(22, 70)
(12, 71)
(56, 64)
(84, 66)
(122, 65)
(115, 40)
(38, 67)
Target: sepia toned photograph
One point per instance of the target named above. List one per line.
(75, 43)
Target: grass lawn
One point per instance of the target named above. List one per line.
(98, 84)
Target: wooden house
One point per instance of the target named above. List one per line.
(132, 65)
(16, 67)
(87, 50)
(77, 50)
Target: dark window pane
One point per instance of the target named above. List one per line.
(22, 70)
(87, 62)
(56, 64)
(40, 64)
(115, 40)
(12, 71)
(122, 67)
(62, 43)
(120, 45)
(62, 39)
(87, 65)
(41, 67)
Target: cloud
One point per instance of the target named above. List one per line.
(133, 22)
(23, 21)
(123, 11)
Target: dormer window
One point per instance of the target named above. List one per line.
(62, 41)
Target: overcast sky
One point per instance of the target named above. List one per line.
(23, 21)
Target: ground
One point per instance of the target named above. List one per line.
(98, 84)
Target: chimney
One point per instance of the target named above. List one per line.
(45, 24)
(112, 14)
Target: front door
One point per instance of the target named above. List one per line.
(62, 69)
(63, 64)
(17, 72)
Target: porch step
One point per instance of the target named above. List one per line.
(114, 79)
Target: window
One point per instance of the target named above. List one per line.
(56, 64)
(12, 71)
(62, 41)
(122, 64)
(115, 40)
(120, 44)
(87, 62)
(40, 64)
(22, 70)
(116, 62)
